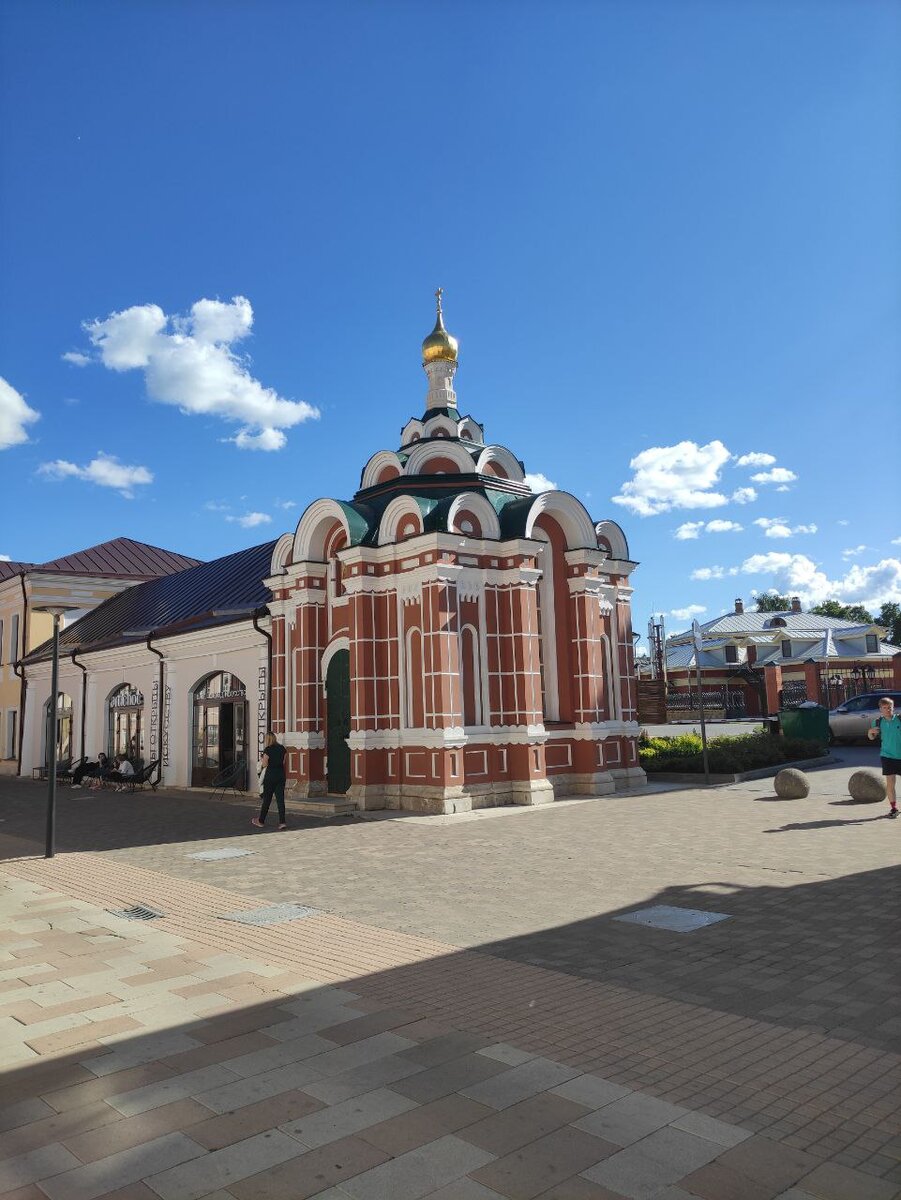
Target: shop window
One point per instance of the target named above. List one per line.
(732, 654)
(126, 723)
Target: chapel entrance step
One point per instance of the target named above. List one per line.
(324, 806)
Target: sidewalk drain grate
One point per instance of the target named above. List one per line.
(677, 920)
(274, 914)
(138, 912)
(215, 855)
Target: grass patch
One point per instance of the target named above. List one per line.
(726, 755)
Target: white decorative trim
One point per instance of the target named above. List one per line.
(439, 421)
(309, 537)
(281, 554)
(336, 644)
(479, 507)
(412, 426)
(377, 464)
(453, 737)
(304, 741)
(423, 451)
(569, 513)
(395, 511)
(619, 547)
(596, 730)
(409, 584)
(504, 458)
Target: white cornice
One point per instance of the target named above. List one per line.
(304, 741)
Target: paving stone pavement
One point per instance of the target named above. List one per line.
(364, 1051)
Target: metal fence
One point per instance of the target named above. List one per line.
(731, 700)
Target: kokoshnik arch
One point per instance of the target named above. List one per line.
(443, 641)
(447, 639)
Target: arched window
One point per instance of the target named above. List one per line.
(126, 722)
(555, 634)
(471, 676)
(415, 681)
(63, 728)
(220, 728)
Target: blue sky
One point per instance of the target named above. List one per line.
(664, 230)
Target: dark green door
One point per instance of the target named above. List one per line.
(337, 687)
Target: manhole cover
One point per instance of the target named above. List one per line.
(275, 914)
(215, 855)
(138, 912)
(678, 920)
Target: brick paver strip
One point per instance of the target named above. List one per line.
(805, 1089)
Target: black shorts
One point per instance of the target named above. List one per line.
(891, 766)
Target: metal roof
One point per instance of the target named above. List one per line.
(8, 568)
(120, 556)
(212, 593)
(755, 622)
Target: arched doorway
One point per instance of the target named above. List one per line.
(63, 729)
(337, 688)
(126, 722)
(220, 728)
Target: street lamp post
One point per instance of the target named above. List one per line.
(56, 611)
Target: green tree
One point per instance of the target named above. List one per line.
(847, 612)
(890, 617)
(769, 602)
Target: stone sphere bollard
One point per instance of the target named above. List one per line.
(866, 787)
(791, 784)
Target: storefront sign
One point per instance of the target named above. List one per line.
(127, 698)
(167, 713)
(262, 708)
(154, 717)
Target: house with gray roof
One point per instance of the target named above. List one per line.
(808, 657)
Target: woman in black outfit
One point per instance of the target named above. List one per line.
(273, 782)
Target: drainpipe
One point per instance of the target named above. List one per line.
(261, 612)
(20, 671)
(84, 697)
(162, 704)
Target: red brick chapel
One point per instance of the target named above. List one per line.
(448, 639)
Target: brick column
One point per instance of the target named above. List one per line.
(772, 676)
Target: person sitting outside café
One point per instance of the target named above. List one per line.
(121, 773)
(88, 767)
(102, 770)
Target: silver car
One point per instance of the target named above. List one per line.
(851, 720)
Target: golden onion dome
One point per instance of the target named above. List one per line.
(439, 345)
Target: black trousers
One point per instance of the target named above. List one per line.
(87, 768)
(273, 787)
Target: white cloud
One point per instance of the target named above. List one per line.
(777, 475)
(690, 610)
(896, 541)
(77, 358)
(798, 575)
(853, 551)
(250, 519)
(705, 573)
(539, 483)
(680, 476)
(286, 504)
(755, 459)
(848, 523)
(265, 439)
(105, 470)
(14, 416)
(189, 361)
(744, 495)
(216, 506)
(690, 530)
(5, 558)
(778, 527)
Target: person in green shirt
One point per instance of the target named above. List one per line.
(888, 726)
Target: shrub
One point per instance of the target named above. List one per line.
(725, 755)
